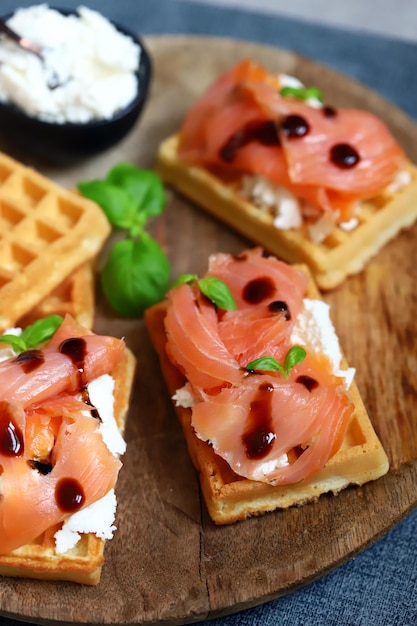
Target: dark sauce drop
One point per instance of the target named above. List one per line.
(11, 437)
(258, 290)
(43, 468)
(242, 256)
(75, 349)
(259, 437)
(344, 156)
(30, 360)
(265, 133)
(329, 111)
(69, 495)
(279, 306)
(308, 382)
(87, 401)
(295, 126)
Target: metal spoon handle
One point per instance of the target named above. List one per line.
(21, 41)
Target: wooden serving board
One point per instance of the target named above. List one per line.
(168, 563)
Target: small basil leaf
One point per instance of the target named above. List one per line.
(184, 278)
(313, 92)
(117, 203)
(294, 356)
(295, 92)
(302, 93)
(265, 363)
(34, 334)
(218, 292)
(17, 343)
(144, 186)
(135, 276)
(41, 330)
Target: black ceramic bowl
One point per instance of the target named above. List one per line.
(25, 136)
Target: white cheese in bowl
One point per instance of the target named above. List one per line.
(94, 63)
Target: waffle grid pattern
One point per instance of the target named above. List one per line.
(46, 232)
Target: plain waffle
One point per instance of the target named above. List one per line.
(229, 497)
(83, 563)
(75, 296)
(341, 254)
(46, 233)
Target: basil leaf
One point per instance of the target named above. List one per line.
(265, 363)
(144, 186)
(184, 278)
(37, 333)
(41, 330)
(118, 205)
(294, 356)
(313, 92)
(17, 343)
(302, 93)
(295, 92)
(218, 292)
(135, 276)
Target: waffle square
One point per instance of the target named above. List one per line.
(341, 254)
(75, 296)
(229, 497)
(83, 563)
(46, 233)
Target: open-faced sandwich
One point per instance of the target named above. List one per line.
(63, 406)
(310, 183)
(268, 405)
(64, 395)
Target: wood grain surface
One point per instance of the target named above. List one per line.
(168, 563)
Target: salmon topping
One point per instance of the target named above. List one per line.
(269, 427)
(53, 459)
(329, 158)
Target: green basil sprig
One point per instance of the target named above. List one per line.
(302, 93)
(213, 288)
(34, 335)
(294, 356)
(137, 270)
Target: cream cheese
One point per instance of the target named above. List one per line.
(97, 518)
(314, 329)
(283, 205)
(94, 62)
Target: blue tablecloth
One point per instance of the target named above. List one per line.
(378, 587)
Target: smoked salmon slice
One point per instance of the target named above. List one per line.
(53, 458)
(328, 157)
(63, 365)
(194, 342)
(269, 425)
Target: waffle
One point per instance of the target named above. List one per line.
(229, 497)
(82, 564)
(75, 297)
(46, 233)
(341, 254)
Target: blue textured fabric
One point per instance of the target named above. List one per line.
(378, 587)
